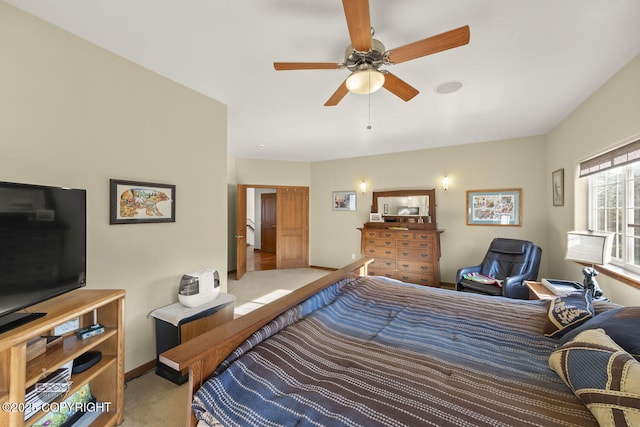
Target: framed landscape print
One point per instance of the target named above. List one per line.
(494, 207)
(132, 202)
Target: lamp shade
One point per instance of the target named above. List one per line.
(591, 247)
(365, 81)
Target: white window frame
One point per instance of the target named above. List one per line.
(624, 238)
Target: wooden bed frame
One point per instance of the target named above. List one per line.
(203, 354)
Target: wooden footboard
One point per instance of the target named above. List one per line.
(203, 354)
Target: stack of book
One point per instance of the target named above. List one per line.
(561, 287)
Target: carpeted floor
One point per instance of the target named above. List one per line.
(150, 400)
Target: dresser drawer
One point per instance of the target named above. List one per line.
(386, 263)
(415, 254)
(370, 234)
(380, 242)
(405, 235)
(386, 234)
(415, 267)
(391, 274)
(379, 252)
(414, 244)
(420, 279)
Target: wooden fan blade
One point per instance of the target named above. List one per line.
(337, 95)
(399, 87)
(434, 44)
(359, 23)
(280, 66)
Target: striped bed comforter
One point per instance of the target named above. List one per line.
(370, 351)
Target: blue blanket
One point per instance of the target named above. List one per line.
(375, 352)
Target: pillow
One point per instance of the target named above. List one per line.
(602, 375)
(568, 311)
(621, 324)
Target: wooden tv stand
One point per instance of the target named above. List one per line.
(106, 378)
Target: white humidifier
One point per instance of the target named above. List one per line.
(199, 287)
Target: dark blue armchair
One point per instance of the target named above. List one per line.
(511, 260)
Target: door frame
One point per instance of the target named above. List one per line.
(241, 219)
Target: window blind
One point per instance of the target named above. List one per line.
(611, 159)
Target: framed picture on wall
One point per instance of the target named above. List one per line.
(132, 202)
(344, 201)
(494, 207)
(557, 183)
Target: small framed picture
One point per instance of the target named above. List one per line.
(375, 217)
(133, 202)
(557, 187)
(344, 201)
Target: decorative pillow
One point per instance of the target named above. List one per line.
(602, 375)
(621, 324)
(568, 311)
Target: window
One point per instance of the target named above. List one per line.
(614, 201)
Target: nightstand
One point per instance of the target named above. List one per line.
(538, 291)
(176, 324)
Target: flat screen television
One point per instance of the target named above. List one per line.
(42, 247)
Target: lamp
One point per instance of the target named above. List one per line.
(363, 187)
(364, 81)
(445, 183)
(590, 247)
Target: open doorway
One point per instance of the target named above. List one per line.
(261, 229)
(290, 222)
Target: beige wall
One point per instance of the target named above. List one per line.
(72, 114)
(608, 118)
(489, 165)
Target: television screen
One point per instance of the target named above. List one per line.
(42, 246)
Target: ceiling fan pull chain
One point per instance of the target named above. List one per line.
(369, 125)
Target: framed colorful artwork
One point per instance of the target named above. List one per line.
(133, 202)
(494, 207)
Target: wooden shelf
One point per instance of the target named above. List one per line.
(69, 350)
(106, 378)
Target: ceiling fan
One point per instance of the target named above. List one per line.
(365, 55)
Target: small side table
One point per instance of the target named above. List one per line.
(538, 291)
(176, 324)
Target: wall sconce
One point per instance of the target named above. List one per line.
(445, 183)
(363, 187)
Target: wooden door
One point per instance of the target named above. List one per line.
(241, 231)
(268, 223)
(292, 204)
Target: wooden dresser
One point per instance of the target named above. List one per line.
(411, 255)
(405, 244)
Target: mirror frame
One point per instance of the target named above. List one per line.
(406, 193)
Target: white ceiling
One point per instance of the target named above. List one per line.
(528, 65)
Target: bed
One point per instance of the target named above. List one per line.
(350, 349)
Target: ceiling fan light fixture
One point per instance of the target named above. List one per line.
(365, 81)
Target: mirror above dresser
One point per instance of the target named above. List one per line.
(406, 207)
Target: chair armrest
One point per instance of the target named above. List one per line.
(514, 287)
(466, 270)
